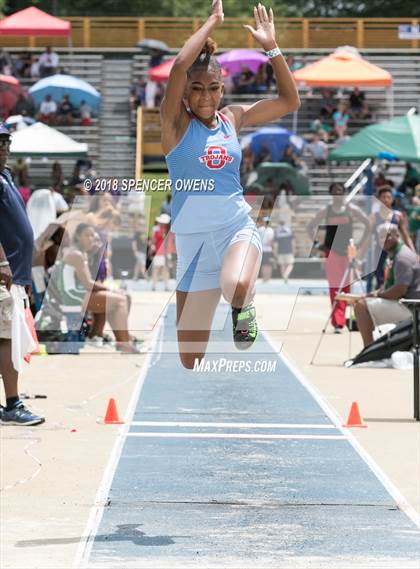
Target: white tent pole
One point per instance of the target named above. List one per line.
(295, 122)
(391, 92)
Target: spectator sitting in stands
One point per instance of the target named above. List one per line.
(34, 71)
(358, 106)
(48, 62)
(321, 128)
(244, 81)
(319, 150)
(22, 64)
(341, 119)
(24, 105)
(260, 79)
(48, 110)
(402, 281)
(85, 114)
(65, 111)
(328, 105)
(6, 66)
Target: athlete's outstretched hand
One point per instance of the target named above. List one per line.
(217, 11)
(264, 23)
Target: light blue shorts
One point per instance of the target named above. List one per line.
(200, 255)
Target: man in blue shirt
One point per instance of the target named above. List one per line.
(16, 244)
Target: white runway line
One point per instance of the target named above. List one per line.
(229, 425)
(400, 500)
(86, 542)
(232, 436)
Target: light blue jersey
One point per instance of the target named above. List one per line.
(204, 171)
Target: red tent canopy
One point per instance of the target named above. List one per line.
(34, 22)
(161, 72)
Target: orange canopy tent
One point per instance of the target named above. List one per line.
(34, 22)
(343, 69)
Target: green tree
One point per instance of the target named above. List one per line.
(232, 8)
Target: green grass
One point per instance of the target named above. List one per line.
(158, 197)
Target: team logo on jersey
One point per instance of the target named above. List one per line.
(216, 157)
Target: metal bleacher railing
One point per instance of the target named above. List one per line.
(299, 33)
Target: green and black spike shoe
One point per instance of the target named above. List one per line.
(245, 329)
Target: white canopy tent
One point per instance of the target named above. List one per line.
(43, 141)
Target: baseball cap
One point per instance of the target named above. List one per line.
(163, 218)
(4, 129)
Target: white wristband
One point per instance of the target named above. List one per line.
(273, 53)
(4, 263)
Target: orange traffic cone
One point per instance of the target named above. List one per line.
(111, 417)
(354, 419)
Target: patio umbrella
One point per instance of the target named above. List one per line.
(275, 138)
(399, 339)
(10, 90)
(234, 59)
(59, 85)
(161, 72)
(151, 44)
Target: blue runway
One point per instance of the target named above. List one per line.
(243, 470)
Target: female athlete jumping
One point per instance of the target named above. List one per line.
(218, 245)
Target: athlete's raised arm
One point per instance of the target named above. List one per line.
(172, 108)
(287, 100)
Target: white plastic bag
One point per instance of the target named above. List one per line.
(402, 360)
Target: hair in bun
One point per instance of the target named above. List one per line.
(206, 60)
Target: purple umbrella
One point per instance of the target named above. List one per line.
(234, 59)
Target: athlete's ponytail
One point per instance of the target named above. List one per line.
(206, 61)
